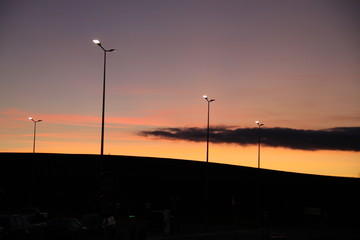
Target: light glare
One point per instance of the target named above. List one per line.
(96, 41)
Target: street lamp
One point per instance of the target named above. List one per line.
(97, 42)
(35, 122)
(259, 140)
(207, 161)
(208, 126)
(260, 213)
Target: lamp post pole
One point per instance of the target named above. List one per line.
(35, 122)
(32, 189)
(97, 42)
(208, 126)
(259, 140)
(260, 212)
(206, 199)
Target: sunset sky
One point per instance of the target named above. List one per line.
(292, 65)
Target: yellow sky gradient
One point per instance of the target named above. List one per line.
(125, 142)
(331, 163)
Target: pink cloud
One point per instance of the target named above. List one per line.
(157, 119)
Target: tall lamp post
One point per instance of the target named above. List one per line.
(35, 122)
(207, 161)
(97, 42)
(208, 126)
(259, 215)
(32, 162)
(259, 140)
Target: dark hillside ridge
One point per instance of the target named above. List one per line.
(71, 184)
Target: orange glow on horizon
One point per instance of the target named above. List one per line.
(331, 163)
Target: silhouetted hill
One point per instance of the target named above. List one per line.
(76, 183)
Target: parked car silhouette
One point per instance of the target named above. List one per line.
(36, 219)
(65, 228)
(34, 215)
(13, 227)
(94, 224)
(98, 225)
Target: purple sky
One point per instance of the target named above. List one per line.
(292, 64)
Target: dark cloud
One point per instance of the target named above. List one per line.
(341, 138)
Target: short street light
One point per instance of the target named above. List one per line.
(35, 122)
(207, 160)
(259, 140)
(260, 211)
(97, 42)
(208, 126)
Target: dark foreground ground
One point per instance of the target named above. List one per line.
(258, 234)
(176, 199)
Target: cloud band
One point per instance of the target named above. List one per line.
(340, 138)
